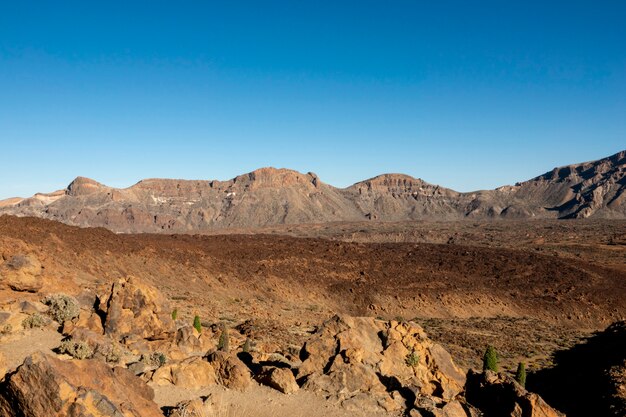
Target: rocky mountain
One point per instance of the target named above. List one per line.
(270, 196)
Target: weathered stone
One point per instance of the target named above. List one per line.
(280, 379)
(230, 370)
(191, 373)
(132, 308)
(44, 386)
(350, 356)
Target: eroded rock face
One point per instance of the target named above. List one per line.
(366, 363)
(498, 395)
(44, 386)
(22, 273)
(134, 309)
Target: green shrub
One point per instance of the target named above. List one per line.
(223, 343)
(78, 350)
(490, 359)
(34, 321)
(196, 324)
(175, 314)
(154, 359)
(62, 307)
(412, 359)
(520, 375)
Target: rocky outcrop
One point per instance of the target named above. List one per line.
(44, 386)
(270, 196)
(499, 395)
(22, 273)
(364, 363)
(281, 379)
(133, 309)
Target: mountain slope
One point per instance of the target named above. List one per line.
(270, 196)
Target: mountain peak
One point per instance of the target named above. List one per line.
(83, 186)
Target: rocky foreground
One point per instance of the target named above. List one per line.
(122, 343)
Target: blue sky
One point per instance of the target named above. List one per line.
(469, 95)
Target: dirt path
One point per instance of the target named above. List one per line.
(16, 350)
(259, 401)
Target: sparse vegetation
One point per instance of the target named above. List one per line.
(6, 329)
(76, 349)
(34, 321)
(154, 359)
(174, 314)
(412, 359)
(197, 324)
(223, 343)
(520, 374)
(490, 359)
(62, 307)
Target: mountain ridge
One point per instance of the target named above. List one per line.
(273, 196)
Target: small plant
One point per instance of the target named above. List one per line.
(34, 321)
(111, 353)
(247, 346)
(223, 343)
(78, 350)
(157, 359)
(174, 314)
(520, 374)
(490, 359)
(412, 359)
(62, 307)
(6, 329)
(196, 324)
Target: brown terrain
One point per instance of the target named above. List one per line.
(536, 290)
(282, 295)
(269, 197)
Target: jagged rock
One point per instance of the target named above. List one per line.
(22, 273)
(359, 361)
(280, 379)
(132, 308)
(192, 373)
(498, 395)
(44, 386)
(230, 370)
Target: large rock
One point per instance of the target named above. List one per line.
(45, 386)
(368, 363)
(22, 273)
(135, 309)
(193, 373)
(230, 370)
(499, 395)
(280, 379)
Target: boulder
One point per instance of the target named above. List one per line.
(230, 370)
(361, 361)
(134, 309)
(280, 379)
(193, 373)
(499, 395)
(44, 386)
(22, 273)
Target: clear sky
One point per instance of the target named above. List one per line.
(468, 95)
